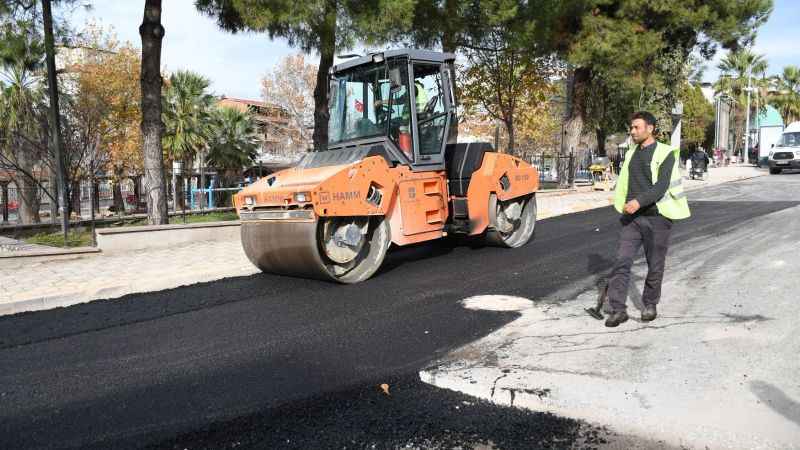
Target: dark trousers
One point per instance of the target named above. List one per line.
(652, 233)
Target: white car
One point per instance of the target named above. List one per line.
(786, 153)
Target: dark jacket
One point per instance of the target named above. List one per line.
(700, 159)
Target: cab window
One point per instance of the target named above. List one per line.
(430, 108)
(398, 109)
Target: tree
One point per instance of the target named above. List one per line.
(27, 34)
(740, 69)
(105, 115)
(609, 107)
(645, 41)
(188, 126)
(698, 119)
(23, 144)
(55, 112)
(465, 25)
(291, 84)
(23, 122)
(185, 113)
(324, 26)
(507, 82)
(234, 143)
(152, 33)
(786, 98)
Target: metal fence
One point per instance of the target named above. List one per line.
(576, 167)
(548, 166)
(105, 192)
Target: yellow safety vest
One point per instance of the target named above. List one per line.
(673, 205)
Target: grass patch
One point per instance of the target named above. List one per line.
(202, 218)
(178, 219)
(76, 238)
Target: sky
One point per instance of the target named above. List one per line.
(235, 63)
(777, 40)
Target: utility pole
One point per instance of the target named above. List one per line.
(746, 152)
(55, 119)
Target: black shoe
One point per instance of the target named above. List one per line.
(649, 313)
(616, 318)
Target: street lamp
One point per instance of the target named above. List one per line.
(748, 89)
(722, 133)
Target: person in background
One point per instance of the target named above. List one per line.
(700, 159)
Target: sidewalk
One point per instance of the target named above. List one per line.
(35, 284)
(27, 285)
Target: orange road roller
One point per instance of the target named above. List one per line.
(391, 174)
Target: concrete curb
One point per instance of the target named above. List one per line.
(40, 303)
(125, 239)
(169, 227)
(6, 227)
(52, 251)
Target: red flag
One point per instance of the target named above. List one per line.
(359, 106)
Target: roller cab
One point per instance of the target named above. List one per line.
(389, 175)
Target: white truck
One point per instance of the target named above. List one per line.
(785, 154)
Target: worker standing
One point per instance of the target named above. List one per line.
(649, 195)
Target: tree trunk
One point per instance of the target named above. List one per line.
(95, 196)
(327, 48)
(55, 119)
(573, 127)
(601, 141)
(4, 187)
(137, 190)
(54, 188)
(75, 204)
(119, 204)
(27, 190)
(92, 194)
(202, 181)
(28, 209)
(152, 34)
(510, 133)
(180, 195)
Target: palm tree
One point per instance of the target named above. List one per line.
(20, 96)
(740, 69)
(235, 141)
(186, 117)
(786, 99)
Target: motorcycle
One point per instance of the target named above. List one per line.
(698, 171)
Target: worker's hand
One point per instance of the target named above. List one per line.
(632, 206)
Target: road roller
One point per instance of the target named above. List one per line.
(392, 173)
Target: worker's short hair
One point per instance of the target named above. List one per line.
(648, 118)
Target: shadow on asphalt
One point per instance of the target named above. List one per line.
(776, 400)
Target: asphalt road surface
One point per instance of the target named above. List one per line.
(268, 361)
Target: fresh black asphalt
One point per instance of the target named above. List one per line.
(270, 362)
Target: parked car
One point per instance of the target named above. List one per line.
(786, 153)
